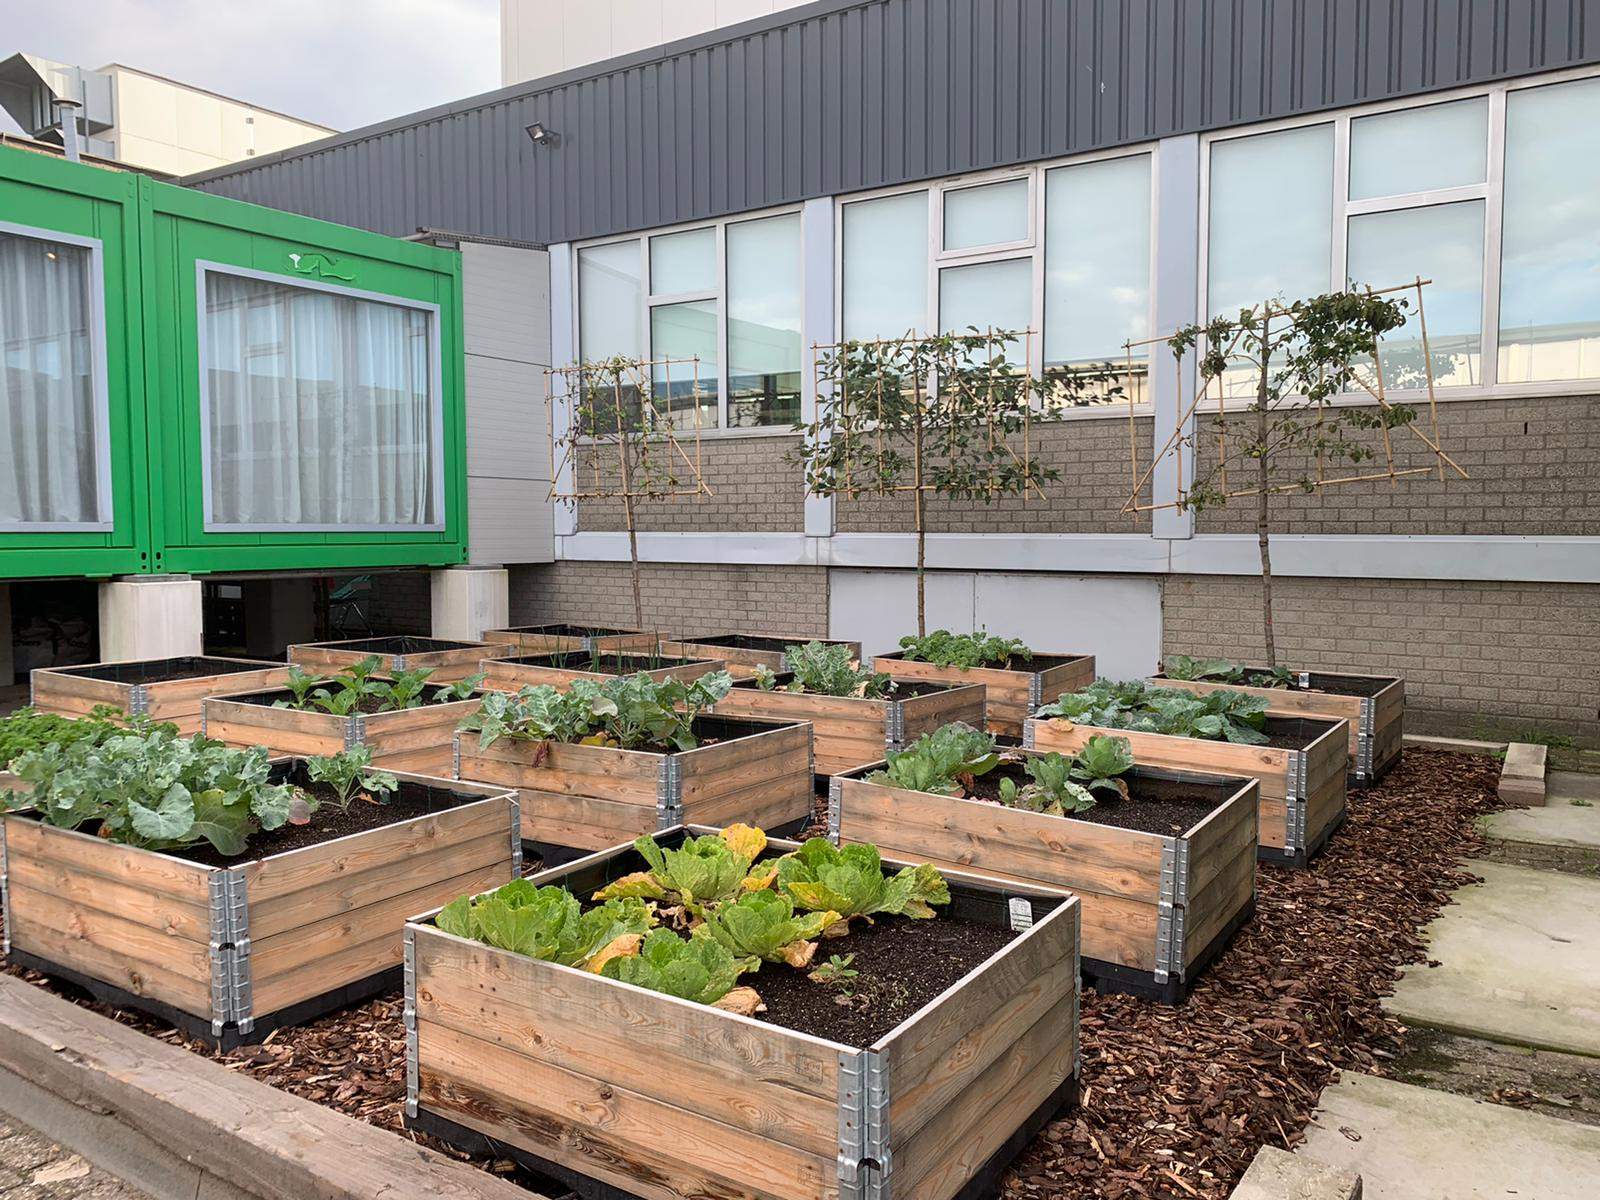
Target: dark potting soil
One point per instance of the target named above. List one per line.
(1348, 685)
(1293, 733)
(902, 965)
(410, 800)
(1039, 662)
(165, 670)
(1164, 806)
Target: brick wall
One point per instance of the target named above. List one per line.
(1531, 464)
(402, 602)
(686, 598)
(1477, 658)
(1096, 477)
(754, 491)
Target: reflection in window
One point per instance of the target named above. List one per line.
(1550, 256)
(764, 351)
(681, 263)
(990, 295)
(683, 350)
(320, 408)
(1442, 243)
(610, 298)
(885, 265)
(1419, 149)
(991, 214)
(50, 438)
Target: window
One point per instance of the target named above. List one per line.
(1097, 260)
(54, 469)
(994, 214)
(1419, 149)
(885, 267)
(988, 295)
(764, 322)
(610, 300)
(1550, 275)
(320, 407)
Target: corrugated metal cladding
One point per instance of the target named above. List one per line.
(841, 97)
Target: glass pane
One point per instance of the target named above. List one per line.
(610, 299)
(685, 334)
(764, 356)
(49, 427)
(320, 408)
(1271, 218)
(1444, 243)
(1419, 149)
(885, 264)
(990, 215)
(1550, 258)
(1097, 260)
(992, 295)
(683, 262)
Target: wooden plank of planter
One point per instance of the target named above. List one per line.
(744, 652)
(850, 731)
(72, 691)
(1302, 793)
(1377, 721)
(1012, 694)
(514, 674)
(414, 739)
(449, 661)
(563, 638)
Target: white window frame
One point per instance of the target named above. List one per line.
(719, 294)
(202, 267)
(1491, 192)
(104, 521)
(1032, 247)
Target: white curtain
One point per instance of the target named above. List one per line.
(48, 425)
(319, 408)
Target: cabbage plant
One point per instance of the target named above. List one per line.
(1221, 715)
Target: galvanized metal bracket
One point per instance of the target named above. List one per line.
(455, 756)
(1171, 908)
(669, 792)
(835, 807)
(516, 836)
(138, 700)
(1035, 692)
(1294, 803)
(1027, 730)
(894, 724)
(410, 973)
(5, 889)
(355, 731)
(398, 663)
(864, 1158)
(221, 988)
(1366, 738)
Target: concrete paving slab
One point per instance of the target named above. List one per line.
(1411, 1143)
(1561, 822)
(1276, 1174)
(1519, 961)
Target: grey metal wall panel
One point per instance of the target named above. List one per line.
(845, 95)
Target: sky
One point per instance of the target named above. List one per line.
(343, 63)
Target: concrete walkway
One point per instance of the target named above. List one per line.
(1519, 963)
(1564, 835)
(32, 1167)
(1412, 1143)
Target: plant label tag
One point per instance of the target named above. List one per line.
(1021, 913)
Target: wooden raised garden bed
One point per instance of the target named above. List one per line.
(1157, 908)
(744, 652)
(230, 953)
(852, 730)
(1013, 693)
(584, 798)
(412, 739)
(449, 661)
(559, 670)
(1302, 778)
(164, 689)
(565, 638)
(622, 1092)
(1374, 705)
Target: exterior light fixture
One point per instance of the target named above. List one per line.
(542, 136)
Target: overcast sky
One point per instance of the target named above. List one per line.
(344, 63)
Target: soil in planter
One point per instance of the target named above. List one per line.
(606, 664)
(902, 965)
(1165, 806)
(165, 670)
(1034, 665)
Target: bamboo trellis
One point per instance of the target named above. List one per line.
(1179, 439)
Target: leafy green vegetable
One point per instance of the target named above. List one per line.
(28, 729)
(347, 773)
(461, 689)
(762, 926)
(1102, 762)
(150, 788)
(697, 968)
(1221, 715)
(1222, 670)
(945, 761)
(629, 712)
(821, 669)
(1050, 790)
(849, 881)
(699, 875)
(836, 972)
(965, 650)
(358, 689)
(547, 923)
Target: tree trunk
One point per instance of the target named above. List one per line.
(1263, 483)
(623, 457)
(922, 529)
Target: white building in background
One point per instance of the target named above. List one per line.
(143, 120)
(541, 37)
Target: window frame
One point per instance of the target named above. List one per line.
(99, 382)
(435, 400)
(1491, 191)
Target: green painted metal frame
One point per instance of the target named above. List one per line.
(153, 235)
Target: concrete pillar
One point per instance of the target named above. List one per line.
(468, 600)
(150, 617)
(278, 613)
(8, 657)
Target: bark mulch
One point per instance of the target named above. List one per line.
(1175, 1101)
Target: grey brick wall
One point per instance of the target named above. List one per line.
(402, 602)
(1096, 477)
(1477, 657)
(678, 598)
(754, 491)
(1531, 462)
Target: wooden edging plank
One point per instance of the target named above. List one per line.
(253, 1136)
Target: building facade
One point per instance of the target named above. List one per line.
(1096, 173)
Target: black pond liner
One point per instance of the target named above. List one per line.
(574, 631)
(754, 641)
(161, 670)
(609, 661)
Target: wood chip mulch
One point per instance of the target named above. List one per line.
(1175, 1102)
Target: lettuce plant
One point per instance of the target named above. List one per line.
(965, 650)
(347, 773)
(697, 968)
(1050, 788)
(946, 761)
(849, 881)
(697, 876)
(1135, 706)
(763, 927)
(546, 923)
(820, 669)
(150, 788)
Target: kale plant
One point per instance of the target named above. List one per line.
(347, 773)
(1221, 715)
(964, 650)
(820, 669)
(946, 761)
(1222, 670)
(1050, 789)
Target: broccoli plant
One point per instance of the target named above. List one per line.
(965, 650)
(347, 774)
(946, 761)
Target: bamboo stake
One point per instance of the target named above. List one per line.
(1427, 365)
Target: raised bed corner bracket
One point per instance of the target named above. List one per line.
(409, 973)
(864, 1155)
(5, 889)
(669, 792)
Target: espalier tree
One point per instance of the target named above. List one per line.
(1297, 356)
(948, 415)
